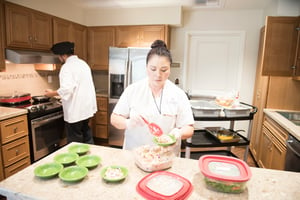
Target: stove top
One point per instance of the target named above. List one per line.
(41, 107)
(37, 109)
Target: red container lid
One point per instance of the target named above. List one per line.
(224, 168)
(164, 185)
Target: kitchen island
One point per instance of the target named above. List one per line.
(264, 184)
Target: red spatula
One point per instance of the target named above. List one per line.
(154, 128)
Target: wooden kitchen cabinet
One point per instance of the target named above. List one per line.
(273, 145)
(101, 119)
(61, 30)
(79, 37)
(15, 151)
(99, 41)
(64, 30)
(141, 36)
(280, 46)
(259, 101)
(27, 28)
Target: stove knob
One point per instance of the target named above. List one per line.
(44, 107)
(34, 109)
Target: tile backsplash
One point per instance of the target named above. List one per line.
(23, 78)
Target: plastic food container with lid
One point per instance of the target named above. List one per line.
(202, 108)
(164, 185)
(224, 173)
(152, 158)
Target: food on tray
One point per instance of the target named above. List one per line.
(153, 158)
(225, 137)
(224, 101)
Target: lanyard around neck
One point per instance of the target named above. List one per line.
(158, 107)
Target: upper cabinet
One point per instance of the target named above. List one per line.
(2, 63)
(79, 37)
(61, 30)
(280, 46)
(64, 30)
(141, 36)
(99, 41)
(27, 28)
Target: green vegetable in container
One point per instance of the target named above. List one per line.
(224, 186)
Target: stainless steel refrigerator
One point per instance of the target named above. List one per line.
(126, 66)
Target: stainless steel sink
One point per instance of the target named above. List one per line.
(292, 116)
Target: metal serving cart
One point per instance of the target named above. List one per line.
(203, 139)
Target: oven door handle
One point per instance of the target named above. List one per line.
(289, 146)
(44, 121)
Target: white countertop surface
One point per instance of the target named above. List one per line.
(264, 184)
(8, 112)
(282, 121)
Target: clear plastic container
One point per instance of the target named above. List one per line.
(224, 174)
(164, 185)
(202, 108)
(152, 158)
(238, 111)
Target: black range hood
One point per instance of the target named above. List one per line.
(30, 57)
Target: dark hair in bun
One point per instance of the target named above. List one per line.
(159, 48)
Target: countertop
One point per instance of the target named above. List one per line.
(7, 112)
(282, 121)
(265, 184)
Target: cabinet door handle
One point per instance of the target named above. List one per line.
(30, 38)
(15, 129)
(17, 152)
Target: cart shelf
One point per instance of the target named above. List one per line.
(202, 139)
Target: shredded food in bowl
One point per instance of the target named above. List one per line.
(113, 173)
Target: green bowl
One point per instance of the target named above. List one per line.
(73, 173)
(88, 161)
(172, 137)
(79, 148)
(114, 179)
(66, 158)
(48, 170)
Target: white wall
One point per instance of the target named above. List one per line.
(283, 8)
(230, 20)
(133, 16)
(98, 17)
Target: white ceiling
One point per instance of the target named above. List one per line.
(227, 4)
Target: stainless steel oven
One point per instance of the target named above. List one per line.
(292, 162)
(47, 134)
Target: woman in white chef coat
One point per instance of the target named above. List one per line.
(155, 98)
(77, 92)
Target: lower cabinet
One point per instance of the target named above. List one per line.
(100, 122)
(15, 152)
(273, 147)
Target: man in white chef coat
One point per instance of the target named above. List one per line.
(77, 92)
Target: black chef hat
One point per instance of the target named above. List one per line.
(63, 48)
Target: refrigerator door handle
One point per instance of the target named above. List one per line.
(129, 73)
(126, 74)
